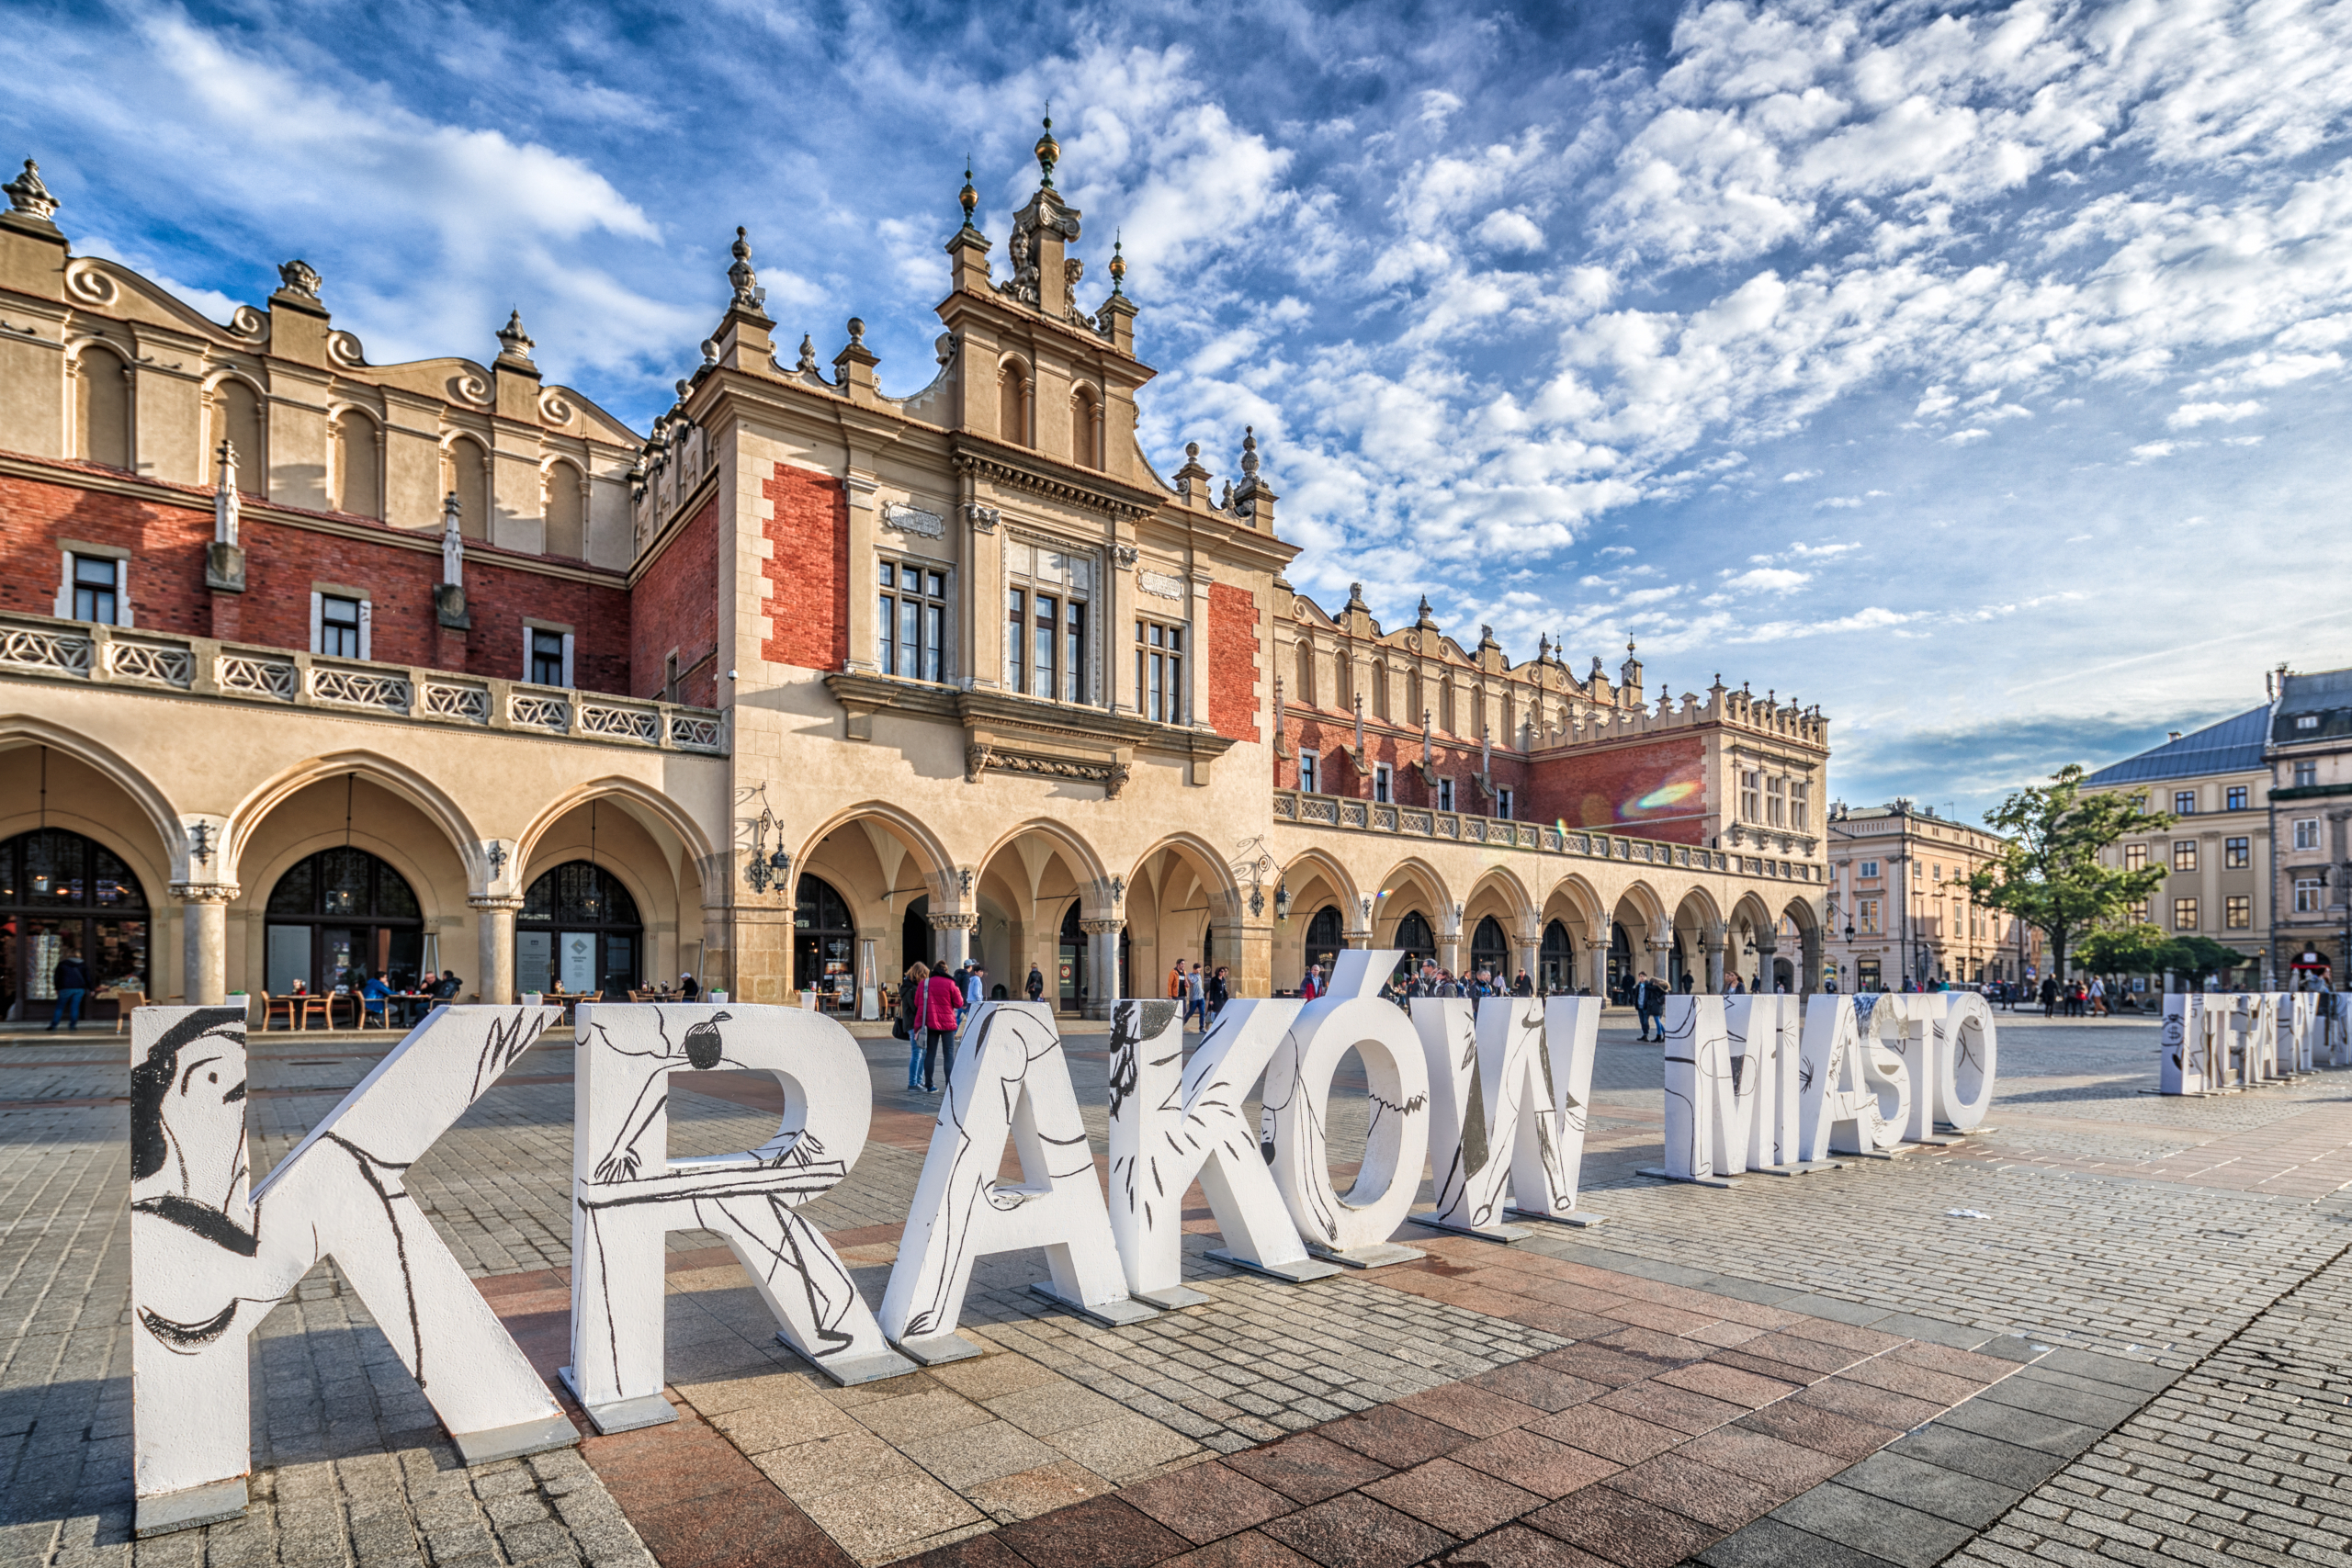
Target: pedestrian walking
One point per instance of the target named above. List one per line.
(939, 1006)
(1649, 1006)
(908, 1026)
(71, 983)
(1036, 986)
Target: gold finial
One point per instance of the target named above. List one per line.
(967, 195)
(1118, 263)
(1050, 151)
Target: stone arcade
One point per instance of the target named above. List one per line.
(310, 665)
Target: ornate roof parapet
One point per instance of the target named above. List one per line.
(1253, 499)
(854, 365)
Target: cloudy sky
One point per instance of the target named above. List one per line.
(1975, 371)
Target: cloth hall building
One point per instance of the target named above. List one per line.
(310, 665)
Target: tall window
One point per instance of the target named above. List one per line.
(2306, 833)
(1445, 795)
(1870, 916)
(1502, 803)
(1305, 695)
(2237, 797)
(2184, 914)
(466, 470)
(338, 915)
(2307, 896)
(1382, 783)
(1800, 805)
(2237, 911)
(97, 583)
(1012, 403)
(546, 657)
(2306, 775)
(2237, 854)
(1751, 795)
(1776, 809)
(101, 408)
(1325, 937)
(2135, 857)
(1160, 671)
(2184, 855)
(2184, 803)
(913, 625)
(339, 627)
(63, 895)
(1086, 428)
(358, 475)
(1308, 769)
(1046, 634)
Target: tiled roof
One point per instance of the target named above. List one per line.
(2232, 746)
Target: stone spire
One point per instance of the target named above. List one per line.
(514, 345)
(749, 295)
(453, 542)
(1050, 151)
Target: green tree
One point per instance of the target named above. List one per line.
(2129, 948)
(2050, 875)
(2195, 957)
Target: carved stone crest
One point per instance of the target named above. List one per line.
(298, 277)
(909, 519)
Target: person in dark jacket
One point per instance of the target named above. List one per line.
(1036, 986)
(1217, 993)
(73, 984)
(911, 1019)
(1649, 1006)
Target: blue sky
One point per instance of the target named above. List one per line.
(1975, 371)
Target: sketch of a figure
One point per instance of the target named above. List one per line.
(1010, 1080)
(627, 1193)
(209, 1261)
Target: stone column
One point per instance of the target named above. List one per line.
(1809, 972)
(716, 950)
(204, 936)
(1102, 965)
(1523, 959)
(494, 921)
(953, 939)
(1594, 975)
(1765, 953)
(1712, 941)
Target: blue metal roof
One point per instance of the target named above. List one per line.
(2234, 745)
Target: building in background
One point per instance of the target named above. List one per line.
(2217, 783)
(2307, 763)
(310, 665)
(1899, 910)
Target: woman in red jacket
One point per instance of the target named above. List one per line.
(941, 1001)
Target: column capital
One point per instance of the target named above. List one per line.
(1101, 927)
(952, 920)
(493, 901)
(204, 892)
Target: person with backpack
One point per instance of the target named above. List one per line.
(908, 1025)
(1649, 1006)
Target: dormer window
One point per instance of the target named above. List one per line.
(2307, 721)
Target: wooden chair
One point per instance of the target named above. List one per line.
(378, 1011)
(273, 1007)
(317, 1006)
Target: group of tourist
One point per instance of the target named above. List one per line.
(932, 1006)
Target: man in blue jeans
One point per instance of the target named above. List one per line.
(1649, 1006)
(73, 984)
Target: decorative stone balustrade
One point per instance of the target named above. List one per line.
(1347, 813)
(42, 648)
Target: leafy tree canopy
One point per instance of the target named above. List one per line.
(2050, 875)
(2129, 948)
(2195, 957)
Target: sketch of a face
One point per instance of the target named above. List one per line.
(187, 1110)
(704, 1046)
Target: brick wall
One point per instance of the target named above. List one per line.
(1233, 662)
(806, 603)
(676, 605)
(1656, 789)
(167, 592)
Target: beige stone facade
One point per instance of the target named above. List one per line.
(1900, 913)
(827, 678)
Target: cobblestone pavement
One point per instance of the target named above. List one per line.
(2201, 1240)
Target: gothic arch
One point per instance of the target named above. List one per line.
(668, 812)
(396, 778)
(22, 729)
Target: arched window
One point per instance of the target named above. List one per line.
(566, 511)
(467, 472)
(1415, 704)
(1086, 428)
(359, 469)
(579, 930)
(1012, 403)
(236, 418)
(338, 915)
(1305, 695)
(63, 895)
(1325, 936)
(1489, 951)
(1070, 981)
(1558, 961)
(1379, 690)
(1414, 936)
(823, 939)
(1621, 973)
(101, 407)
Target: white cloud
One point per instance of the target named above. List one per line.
(1800, 475)
(1507, 229)
(1963, 437)
(2189, 415)
(2241, 440)
(1841, 501)
(1767, 579)
(2156, 449)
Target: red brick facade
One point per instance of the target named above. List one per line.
(1233, 662)
(167, 592)
(806, 603)
(1653, 788)
(675, 606)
